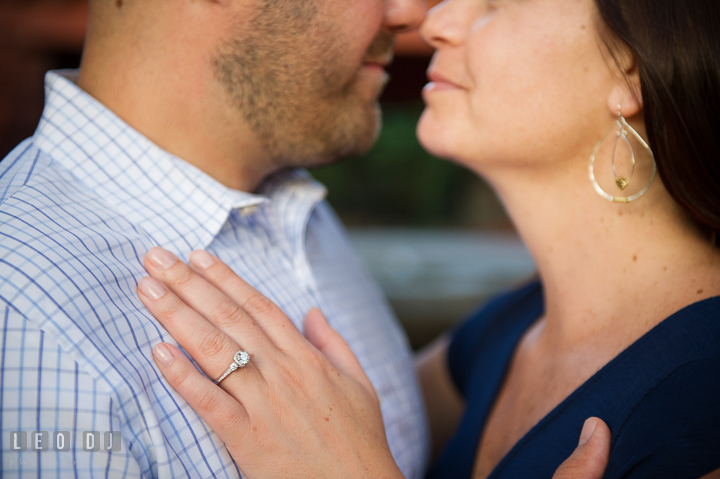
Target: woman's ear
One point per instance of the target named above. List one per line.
(626, 92)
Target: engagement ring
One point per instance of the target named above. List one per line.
(240, 360)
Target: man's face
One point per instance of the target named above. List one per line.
(305, 75)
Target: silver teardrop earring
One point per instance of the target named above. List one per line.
(621, 129)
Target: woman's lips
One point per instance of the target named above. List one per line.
(439, 83)
(439, 86)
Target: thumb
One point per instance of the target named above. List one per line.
(590, 458)
(334, 347)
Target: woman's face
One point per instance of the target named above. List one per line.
(515, 82)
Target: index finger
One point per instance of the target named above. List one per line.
(263, 311)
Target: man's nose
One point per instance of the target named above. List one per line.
(404, 15)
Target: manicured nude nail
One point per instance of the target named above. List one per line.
(587, 431)
(160, 258)
(152, 288)
(201, 260)
(163, 355)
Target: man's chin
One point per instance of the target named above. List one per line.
(365, 137)
(349, 136)
(329, 158)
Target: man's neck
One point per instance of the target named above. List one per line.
(181, 113)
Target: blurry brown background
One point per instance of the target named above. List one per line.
(433, 234)
(35, 36)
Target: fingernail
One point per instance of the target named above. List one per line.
(152, 288)
(160, 258)
(163, 355)
(587, 431)
(201, 260)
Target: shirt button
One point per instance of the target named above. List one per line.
(248, 210)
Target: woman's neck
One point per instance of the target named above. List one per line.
(604, 265)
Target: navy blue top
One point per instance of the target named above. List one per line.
(660, 397)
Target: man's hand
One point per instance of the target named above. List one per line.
(591, 456)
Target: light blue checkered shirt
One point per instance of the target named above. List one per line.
(81, 202)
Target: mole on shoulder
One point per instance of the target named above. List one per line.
(119, 3)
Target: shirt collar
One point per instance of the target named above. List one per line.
(171, 200)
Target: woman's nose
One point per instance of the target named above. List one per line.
(404, 15)
(445, 24)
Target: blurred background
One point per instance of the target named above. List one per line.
(433, 234)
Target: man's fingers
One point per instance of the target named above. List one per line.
(334, 347)
(590, 458)
(225, 415)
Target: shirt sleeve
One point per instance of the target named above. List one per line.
(56, 421)
(675, 431)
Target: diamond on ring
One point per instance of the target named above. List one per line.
(240, 360)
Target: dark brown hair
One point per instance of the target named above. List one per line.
(676, 46)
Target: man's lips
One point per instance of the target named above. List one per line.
(374, 65)
(379, 62)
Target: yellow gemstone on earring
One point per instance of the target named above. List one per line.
(621, 183)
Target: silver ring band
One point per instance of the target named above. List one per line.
(240, 360)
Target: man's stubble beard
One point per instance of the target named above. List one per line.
(285, 74)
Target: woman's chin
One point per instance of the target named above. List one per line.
(434, 137)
